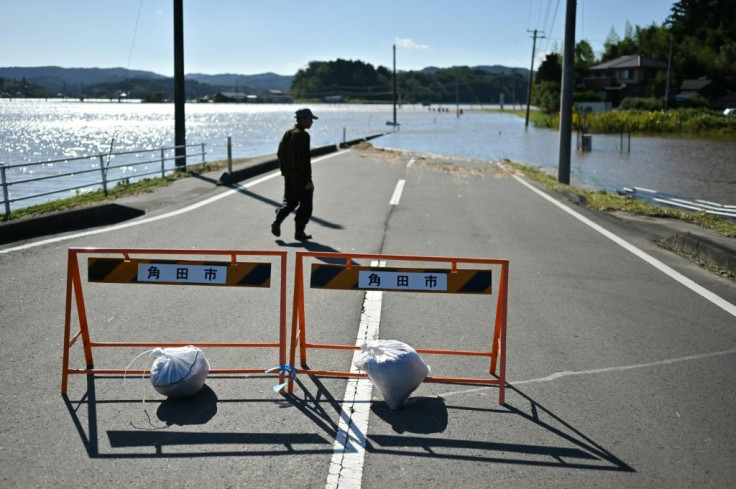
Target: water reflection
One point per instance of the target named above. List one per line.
(35, 130)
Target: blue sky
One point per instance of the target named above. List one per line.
(251, 37)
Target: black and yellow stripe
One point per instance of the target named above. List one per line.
(118, 270)
(461, 281)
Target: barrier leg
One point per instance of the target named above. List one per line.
(81, 311)
(67, 325)
(302, 321)
(504, 308)
(500, 321)
(295, 318)
(282, 321)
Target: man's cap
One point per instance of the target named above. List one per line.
(305, 113)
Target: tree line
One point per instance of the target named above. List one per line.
(21, 88)
(357, 81)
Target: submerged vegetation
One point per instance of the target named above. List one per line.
(691, 122)
(680, 121)
(599, 200)
(675, 122)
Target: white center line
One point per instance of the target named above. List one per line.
(396, 197)
(348, 451)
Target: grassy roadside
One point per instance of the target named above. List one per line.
(122, 189)
(605, 201)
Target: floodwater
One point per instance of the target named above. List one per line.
(699, 168)
(37, 130)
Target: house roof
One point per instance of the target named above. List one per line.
(631, 61)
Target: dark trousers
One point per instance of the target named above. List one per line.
(296, 196)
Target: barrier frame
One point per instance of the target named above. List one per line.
(75, 296)
(497, 353)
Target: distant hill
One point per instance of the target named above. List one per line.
(74, 81)
(494, 69)
(69, 81)
(499, 70)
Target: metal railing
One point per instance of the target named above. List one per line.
(79, 171)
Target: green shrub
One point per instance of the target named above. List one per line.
(678, 121)
(640, 103)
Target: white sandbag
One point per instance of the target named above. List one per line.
(394, 367)
(179, 372)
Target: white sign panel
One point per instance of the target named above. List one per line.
(181, 273)
(425, 281)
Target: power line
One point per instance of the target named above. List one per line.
(554, 17)
(135, 30)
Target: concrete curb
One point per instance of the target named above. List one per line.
(63, 221)
(710, 253)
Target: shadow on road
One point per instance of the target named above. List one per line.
(421, 416)
(429, 415)
(276, 205)
(157, 440)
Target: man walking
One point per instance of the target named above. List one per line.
(296, 167)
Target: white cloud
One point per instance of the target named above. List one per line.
(409, 44)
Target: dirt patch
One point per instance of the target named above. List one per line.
(455, 166)
(367, 150)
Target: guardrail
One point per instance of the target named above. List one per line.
(82, 171)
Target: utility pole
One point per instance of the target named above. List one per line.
(394, 85)
(667, 88)
(568, 74)
(179, 91)
(457, 96)
(531, 74)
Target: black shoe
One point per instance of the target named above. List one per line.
(276, 229)
(302, 236)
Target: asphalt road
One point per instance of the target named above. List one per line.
(621, 354)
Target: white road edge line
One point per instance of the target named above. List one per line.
(183, 210)
(698, 289)
(348, 451)
(396, 197)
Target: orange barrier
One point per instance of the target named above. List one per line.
(452, 280)
(124, 269)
